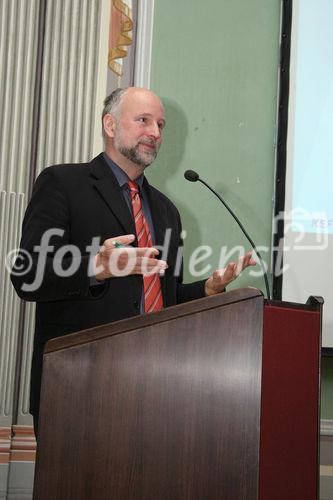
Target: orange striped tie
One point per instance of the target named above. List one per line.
(151, 284)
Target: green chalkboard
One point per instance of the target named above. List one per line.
(215, 65)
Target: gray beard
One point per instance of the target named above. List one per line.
(136, 157)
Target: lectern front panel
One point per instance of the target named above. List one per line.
(166, 411)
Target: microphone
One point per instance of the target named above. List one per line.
(192, 176)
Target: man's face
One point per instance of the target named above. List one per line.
(138, 132)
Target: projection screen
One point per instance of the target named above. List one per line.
(308, 217)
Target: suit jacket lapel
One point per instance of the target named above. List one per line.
(107, 186)
(158, 213)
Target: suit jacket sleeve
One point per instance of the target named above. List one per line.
(188, 291)
(45, 232)
(176, 292)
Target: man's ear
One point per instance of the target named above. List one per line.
(109, 125)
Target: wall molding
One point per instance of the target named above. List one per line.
(23, 444)
(326, 427)
(21, 463)
(5, 438)
(144, 43)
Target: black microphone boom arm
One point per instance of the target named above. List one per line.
(193, 176)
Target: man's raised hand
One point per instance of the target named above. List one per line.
(114, 260)
(223, 277)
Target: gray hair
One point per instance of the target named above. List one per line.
(112, 103)
(112, 106)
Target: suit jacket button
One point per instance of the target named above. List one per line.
(136, 304)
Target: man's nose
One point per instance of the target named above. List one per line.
(154, 130)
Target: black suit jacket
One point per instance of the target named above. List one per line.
(80, 202)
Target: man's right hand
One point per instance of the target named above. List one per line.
(112, 261)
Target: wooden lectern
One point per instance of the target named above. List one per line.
(213, 399)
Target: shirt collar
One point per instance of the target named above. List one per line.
(120, 175)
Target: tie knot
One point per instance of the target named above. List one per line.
(134, 188)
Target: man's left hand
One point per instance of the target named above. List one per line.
(223, 277)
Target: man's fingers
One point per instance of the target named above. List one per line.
(109, 247)
(233, 269)
(125, 239)
(146, 251)
(136, 265)
(111, 243)
(148, 266)
(223, 277)
(243, 262)
(117, 257)
(249, 260)
(230, 272)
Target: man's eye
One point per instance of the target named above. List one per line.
(142, 119)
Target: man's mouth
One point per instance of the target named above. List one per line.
(150, 145)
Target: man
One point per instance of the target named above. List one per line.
(90, 234)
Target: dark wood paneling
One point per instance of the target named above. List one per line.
(156, 410)
(289, 453)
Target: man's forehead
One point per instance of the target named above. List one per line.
(142, 101)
